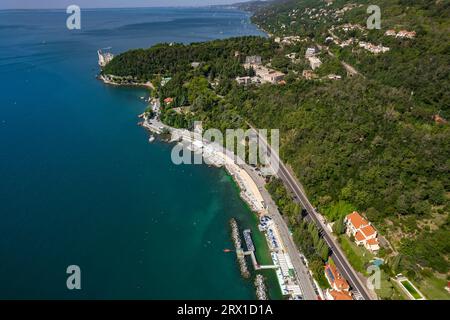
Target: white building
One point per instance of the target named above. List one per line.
(310, 52)
(314, 62)
(253, 60)
(334, 77)
(406, 34)
(247, 80)
(266, 75)
(373, 48)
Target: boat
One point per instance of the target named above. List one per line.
(151, 139)
(227, 250)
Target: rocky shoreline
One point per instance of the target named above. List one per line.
(123, 81)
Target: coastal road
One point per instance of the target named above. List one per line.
(336, 253)
(303, 276)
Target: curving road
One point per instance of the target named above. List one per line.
(336, 253)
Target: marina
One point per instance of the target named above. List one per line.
(285, 270)
(248, 240)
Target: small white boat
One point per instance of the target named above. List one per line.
(151, 139)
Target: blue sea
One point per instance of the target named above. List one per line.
(81, 185)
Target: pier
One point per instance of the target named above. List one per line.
(251, 252)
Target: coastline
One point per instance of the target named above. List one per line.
(217, 156)
(251, 184)
(109, 79)
(252, 191)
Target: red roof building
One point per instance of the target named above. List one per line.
(363, 232)
(168, 100)
(335, 279)
(338, 295)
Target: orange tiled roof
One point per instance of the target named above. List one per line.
(372, 242)
(168, 100)
(338, 295)
(359, 236)
(356, 220)
(336, 278)
(368, 231)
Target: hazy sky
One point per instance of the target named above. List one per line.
(30, 4)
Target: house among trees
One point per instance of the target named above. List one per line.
(406, 34)
(272, 76)
(253, 60)
(262, 75)
(363, 232)
(390, 33)
(248, 80)
(310, 52)
(314, 62)
(340, 289)
(373, 48)
(168, 100)
(401, 34)
(309, 74)
(334, 77)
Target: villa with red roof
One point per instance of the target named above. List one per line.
(363, 232)
(340, 289)
(168, 100)
(337, 295)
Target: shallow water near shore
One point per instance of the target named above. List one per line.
(82, 186)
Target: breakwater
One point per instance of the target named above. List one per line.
(238, 245)
(261, 289)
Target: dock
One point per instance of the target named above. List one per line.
(248, 240)
(251, 252)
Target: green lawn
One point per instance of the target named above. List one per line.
(358, 257)
(336, 210)
(411, 289)
(401, 295)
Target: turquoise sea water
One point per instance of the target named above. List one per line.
(79, 182)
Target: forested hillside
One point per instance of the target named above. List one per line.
(379, 144)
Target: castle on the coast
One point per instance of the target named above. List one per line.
(104, 58)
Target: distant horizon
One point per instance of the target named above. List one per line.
(110, 4)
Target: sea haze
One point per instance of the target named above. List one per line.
(81, 185)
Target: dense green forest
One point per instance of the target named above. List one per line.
(168, 59)
(370, 143)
